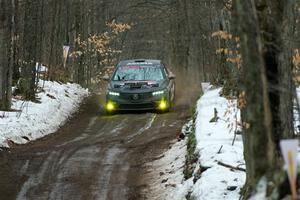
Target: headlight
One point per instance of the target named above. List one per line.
(163, 104)
(158, 93)
(113, 93)
(110, 106)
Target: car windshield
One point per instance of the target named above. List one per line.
(139, 73)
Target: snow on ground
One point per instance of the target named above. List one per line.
(58, 103)
(166, 173)
(214, 144)
(296, 113)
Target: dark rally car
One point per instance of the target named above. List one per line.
(140, 85)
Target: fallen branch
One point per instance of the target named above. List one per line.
(231, 167)
(220, 149)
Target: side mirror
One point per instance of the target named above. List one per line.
(105, 77)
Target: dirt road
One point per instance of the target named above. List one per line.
(93, 156)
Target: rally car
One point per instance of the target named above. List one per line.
(140, 85)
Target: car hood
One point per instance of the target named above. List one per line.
(133, 86)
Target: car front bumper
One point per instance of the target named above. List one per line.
(149, 103)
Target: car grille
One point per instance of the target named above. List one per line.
(136, 106)
(135, 96)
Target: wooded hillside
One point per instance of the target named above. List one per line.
(176, 31)
(251, 48)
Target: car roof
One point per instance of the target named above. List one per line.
(124, 62)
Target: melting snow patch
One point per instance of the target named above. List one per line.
(166, 175)
(35, 120)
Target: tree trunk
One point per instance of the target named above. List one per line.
(181, 42)
(30, 49)
(259, 24)
(287, 88)
(11, 55)
(6, 52)
(257, 137)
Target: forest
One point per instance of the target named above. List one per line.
(250, 48)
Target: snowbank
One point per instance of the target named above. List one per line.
(58, 103)
(214, 145)
(211, 180)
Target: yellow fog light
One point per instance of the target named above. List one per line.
(162, 104)
(110, 106)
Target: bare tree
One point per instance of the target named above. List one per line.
(6, 51)
(259, 24)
